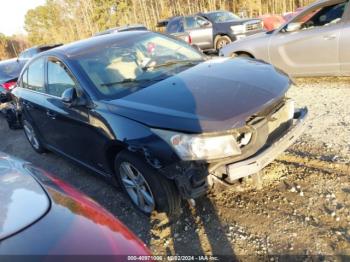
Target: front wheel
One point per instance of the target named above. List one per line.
(147, 189)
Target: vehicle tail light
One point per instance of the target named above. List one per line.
(9, 85)
(188, 39)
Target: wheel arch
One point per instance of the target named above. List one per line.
(238, 53)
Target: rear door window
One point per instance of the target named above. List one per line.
(58, 78)
(175, 26)
(195, 22)
(36, 76)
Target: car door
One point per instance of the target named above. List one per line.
(309, 44)
(344, 43)
(176, 28)
(69, 131)
(200, 30)
(32, 95)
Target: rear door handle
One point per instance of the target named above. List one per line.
(329, 37)
(51, 115)
(27, 105)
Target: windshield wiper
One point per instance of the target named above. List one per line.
(130, 80)
(172, 62)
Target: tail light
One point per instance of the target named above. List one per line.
(188, 39)
(9, 85)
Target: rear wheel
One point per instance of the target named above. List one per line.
(32, 137)
(222, 41)
(147, 189)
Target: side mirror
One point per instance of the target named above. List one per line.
(206, 24)
(292, 27)
(69, 96)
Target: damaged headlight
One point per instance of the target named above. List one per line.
(201, 147)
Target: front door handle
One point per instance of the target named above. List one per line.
(329, 37)
(51, 115)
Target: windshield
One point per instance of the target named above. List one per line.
(9, 70)
(129, 65)
(219, 17)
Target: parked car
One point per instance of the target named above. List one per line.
(42, 215)
(161, 118)
(10, 69)
(288, 16)
(125, 28)
(33, 51)
(272, 22)
(9, 72)
(212, 30)
(314, 43)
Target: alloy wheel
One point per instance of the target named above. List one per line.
(222, 43)
(137, 187)
(30, 133)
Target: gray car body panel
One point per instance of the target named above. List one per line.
(319, 51)
(22, 200)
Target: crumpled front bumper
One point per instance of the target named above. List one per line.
(260, 160)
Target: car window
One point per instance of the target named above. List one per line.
(36, 76)
(58, 78)
(175, 26)
(219, 17)
(322, 16)
(124, 67)
(193, 22)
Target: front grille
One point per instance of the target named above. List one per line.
(253, 26)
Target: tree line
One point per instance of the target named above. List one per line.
(12, 46)
(63, 21)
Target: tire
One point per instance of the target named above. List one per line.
(222, 41)
(32, 136)
(154, 186)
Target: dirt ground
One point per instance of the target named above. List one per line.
(303, 208)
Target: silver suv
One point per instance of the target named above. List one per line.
(314, 43)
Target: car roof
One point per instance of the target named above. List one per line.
(43, 47)
(122, 28)
(214, 12)
(83, 46)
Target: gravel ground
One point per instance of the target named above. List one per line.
(302, 209)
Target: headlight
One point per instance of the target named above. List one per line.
(201, 147)
(238, 29)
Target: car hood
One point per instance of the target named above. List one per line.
(216, 95)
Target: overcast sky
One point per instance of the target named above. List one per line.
(12, 14)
